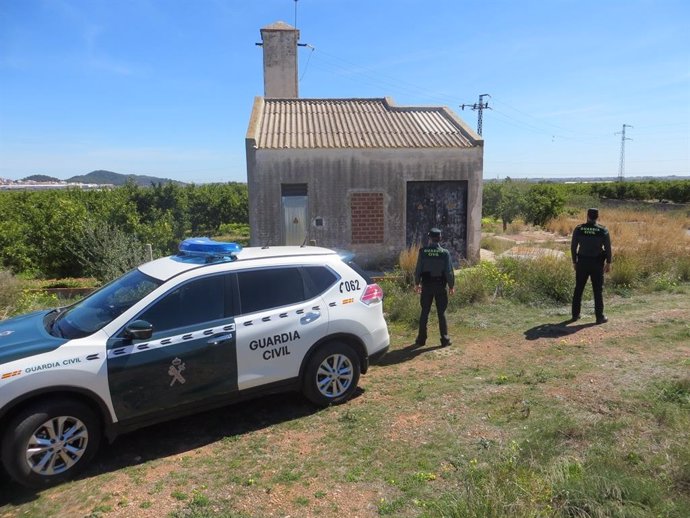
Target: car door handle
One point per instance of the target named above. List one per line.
(310, 317)
(217, 340)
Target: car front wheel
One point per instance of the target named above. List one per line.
(332, 374)
(50, 442)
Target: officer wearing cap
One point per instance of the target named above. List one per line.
(590, 250)
(433, 273)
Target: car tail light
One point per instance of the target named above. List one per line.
(372, 294)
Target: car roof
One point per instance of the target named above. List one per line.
(168, 267)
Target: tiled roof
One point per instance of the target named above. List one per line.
(355, 123)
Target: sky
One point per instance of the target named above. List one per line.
(166, 87)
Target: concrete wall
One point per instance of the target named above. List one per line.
(333, 175)
(280, 61)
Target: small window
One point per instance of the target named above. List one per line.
(195, 302)
(318, 279)
(269, 288)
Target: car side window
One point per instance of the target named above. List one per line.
(318, 279)
(269, 288)
(194, 302)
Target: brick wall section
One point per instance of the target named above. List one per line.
(367, 217)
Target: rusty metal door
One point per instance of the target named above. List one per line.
(441, 204)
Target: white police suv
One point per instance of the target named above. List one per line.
(177, 335)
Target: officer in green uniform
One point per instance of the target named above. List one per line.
(433, 273)
(590, 250)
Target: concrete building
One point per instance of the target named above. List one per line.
(358, 174)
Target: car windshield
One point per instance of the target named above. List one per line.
(103, 306)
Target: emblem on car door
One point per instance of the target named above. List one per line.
(175, 370)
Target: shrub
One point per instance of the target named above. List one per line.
(625, 271)
(682, 268)
(516, 227)
(10, 291)
(106, 252)
(400, 303)
(545, 279)
(478, 283)
(29, 300)
(234, 232)
(490, 224)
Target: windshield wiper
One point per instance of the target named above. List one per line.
(52, 323)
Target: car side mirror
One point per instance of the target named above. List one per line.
(139, 330)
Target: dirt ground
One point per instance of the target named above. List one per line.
(596, 393)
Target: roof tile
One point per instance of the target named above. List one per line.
(356, 123)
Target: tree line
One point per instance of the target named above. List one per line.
(102, 233)
(70, 233)
(541, 202)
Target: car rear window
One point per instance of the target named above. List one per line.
(318, 279)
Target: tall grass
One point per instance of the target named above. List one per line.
(644, 243)
(407, 262)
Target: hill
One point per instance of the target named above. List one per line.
(41, 178)
(111, 178)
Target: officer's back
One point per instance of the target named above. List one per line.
(433, 263)
(591, 240)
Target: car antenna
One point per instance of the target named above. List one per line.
(304, 243)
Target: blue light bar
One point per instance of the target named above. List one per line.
(205, 247)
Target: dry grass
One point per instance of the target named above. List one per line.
(516, 227)
(407, 260)
(644, 242)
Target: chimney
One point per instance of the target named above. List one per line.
(279, 42)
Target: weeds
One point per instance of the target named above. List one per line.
(541, 280)
(676, 391)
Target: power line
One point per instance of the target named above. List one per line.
(621, 169)
(479, 107)
(371, 77)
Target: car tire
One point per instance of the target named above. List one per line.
(332, 374)
(50, 442)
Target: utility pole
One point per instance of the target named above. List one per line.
(621, 169)
(480, 107)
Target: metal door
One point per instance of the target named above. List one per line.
(295, 219)
(441, 204)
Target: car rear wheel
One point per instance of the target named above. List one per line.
(50, 442)
(332, 374)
